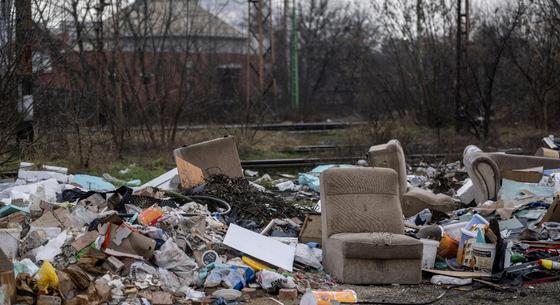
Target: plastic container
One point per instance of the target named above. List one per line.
(548, 264)
(448, 246)
(10, 241)
(483, 256)
(476, 220)
(429, 252)
(454, 230)
(465, 235)
(325, 297)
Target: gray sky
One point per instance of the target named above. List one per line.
(235, 11)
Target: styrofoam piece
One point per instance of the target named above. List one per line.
(163, 181)
(35, 176)
(260, 247)
(10, 241)
(45, 190)
(466, 192)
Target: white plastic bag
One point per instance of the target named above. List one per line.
(172, 258)
(269, 279)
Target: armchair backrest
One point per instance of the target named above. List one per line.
(360, 200)
(390, 155)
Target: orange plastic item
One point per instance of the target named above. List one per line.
(150, 216)
(447, 246)
(325, 297)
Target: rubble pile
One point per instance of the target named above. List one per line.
(439, 177)
(242, 196)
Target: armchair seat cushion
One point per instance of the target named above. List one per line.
(382, 246)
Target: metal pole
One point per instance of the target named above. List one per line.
(248, 62)
(295, 67)
(260, 31)
(24, 35)
(458, 80)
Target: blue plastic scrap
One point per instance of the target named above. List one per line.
(312, 180)
(512, 189)
(92, 183)
(10, 209)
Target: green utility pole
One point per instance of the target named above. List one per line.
(295, 67)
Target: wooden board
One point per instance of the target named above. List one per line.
(311, 229)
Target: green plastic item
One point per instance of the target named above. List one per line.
(518, 258)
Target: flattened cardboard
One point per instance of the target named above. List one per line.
(553, 212)
(134, 244)
(189, 174)
(85, 240)
(527, 175)
(261, 247)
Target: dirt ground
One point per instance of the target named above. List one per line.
(546, 293)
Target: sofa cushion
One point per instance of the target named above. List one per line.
(375, 246)
(417, 199)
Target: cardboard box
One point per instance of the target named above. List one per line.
(528, 175)
(198, 161)
(553, 212)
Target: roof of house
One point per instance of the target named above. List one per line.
(173, 18)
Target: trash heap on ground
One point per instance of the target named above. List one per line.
(209, 232)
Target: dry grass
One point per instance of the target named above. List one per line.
(150, 159)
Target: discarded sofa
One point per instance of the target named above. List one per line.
(485, 169)
(362, 228)
(198, 161)
(413, 199)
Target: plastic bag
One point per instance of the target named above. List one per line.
(230, 275)
(170, 257)
(309, 256)
(150, 216)
(82, 215)
(51, 249)
(272, 280)
(46, 277)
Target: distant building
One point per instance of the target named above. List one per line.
(189, 51)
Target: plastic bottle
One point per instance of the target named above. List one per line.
(548, 264)
(325, 297)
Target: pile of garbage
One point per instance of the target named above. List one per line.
(192, 236)
(76, 239)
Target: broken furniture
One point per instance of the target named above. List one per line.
(413, 199)
(362, 228)
(486, 169)
(202, 160)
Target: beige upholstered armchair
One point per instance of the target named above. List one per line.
(413, 200)
(362, 228)
(485, 169)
